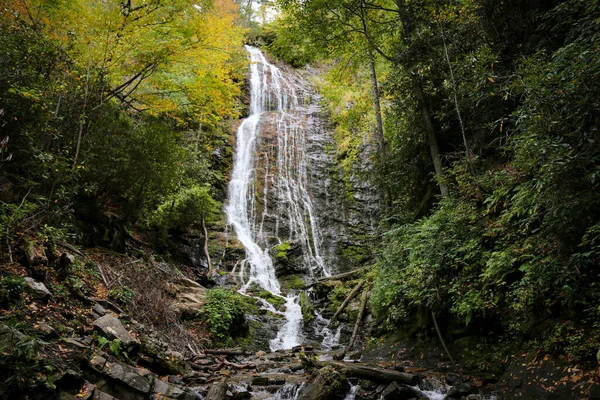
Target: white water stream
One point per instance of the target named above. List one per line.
(281, 194)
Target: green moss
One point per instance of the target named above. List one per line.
(281, 251)
(356, 255)
(308, 311)
(292, 282)
(339, 293)
(276, 301)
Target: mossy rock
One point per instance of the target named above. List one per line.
(308, 311)
(292, 282)
(276, 301)
(281, 251)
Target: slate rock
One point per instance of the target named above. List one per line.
(98, 309)
(46, 331)
(459, 390)
(37, 289)
(99, 395)
(395, 391)
(128, 375)
(113, 329)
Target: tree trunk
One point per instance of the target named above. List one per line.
(361, 313)
(341, 276)
(380, 138)
(373, 374)
(205, 247)
(431, 135)
(347, 299)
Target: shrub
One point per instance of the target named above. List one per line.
(11, 288)
(225, 315)
(181, 209)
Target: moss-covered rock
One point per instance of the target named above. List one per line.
(308, 311)
(276, 301)
(292, 282)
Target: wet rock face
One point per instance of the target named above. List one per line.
(300, 197)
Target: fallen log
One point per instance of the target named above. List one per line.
(361, 312)
(347, 299)
(340, 276)
(372, 374)
(218, 391)
(325, 384)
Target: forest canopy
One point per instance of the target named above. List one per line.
(483, 115)
(110, 109)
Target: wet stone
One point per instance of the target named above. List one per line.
(260, 381)
(459, 390)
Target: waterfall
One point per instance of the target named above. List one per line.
(269, 200)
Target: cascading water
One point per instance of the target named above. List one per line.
(269, 201)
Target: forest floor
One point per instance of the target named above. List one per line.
(108, 328)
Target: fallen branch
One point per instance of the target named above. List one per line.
(103, 276)
(69, 247)
(361, 312)
(437, 328)
(373, 374)
(347, 299)
(340, 276)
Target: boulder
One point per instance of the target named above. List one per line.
(46, 331)
(37, 289)
(459, 390)
(395, 391)
(98, 309)
(112, 328)
(325, 384)
(190, 297)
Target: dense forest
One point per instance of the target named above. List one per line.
(479, 119)
(484, 119)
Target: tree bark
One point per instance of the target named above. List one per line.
(361, 312)
(380, 137)
(373, 374)
(431, 135)
(340, 276)
(347, 299)
(205, 247)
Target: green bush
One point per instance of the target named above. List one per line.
(11, 289)
(224, 315)
(181, 209)
(20, 365)
(122, 295)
